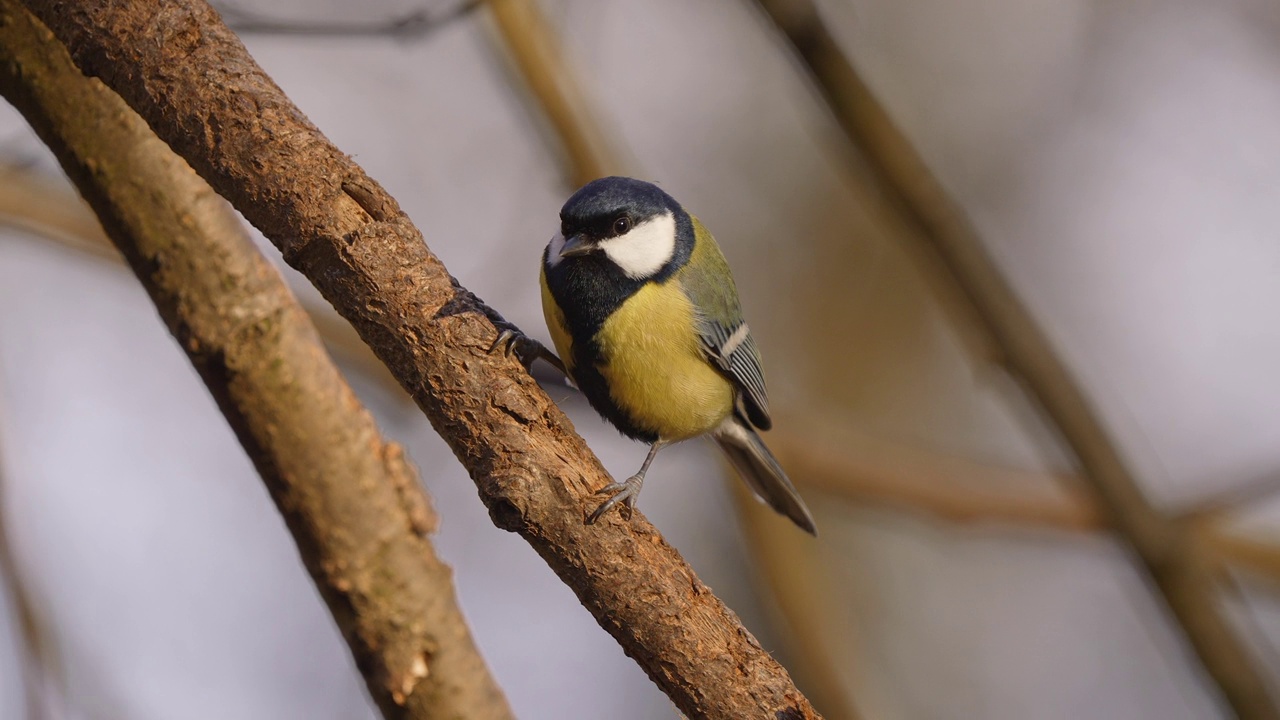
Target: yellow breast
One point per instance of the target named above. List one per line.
(556, 324)
(654, 366)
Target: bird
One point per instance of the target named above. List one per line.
(644, 314)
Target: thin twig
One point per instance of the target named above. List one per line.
(1223, 504)
(48, 209)
(414, 25)
(35, 203)
(41, 666)
(1258, 556)
(192, 80)
(868, 472)
(351, 499)
(1177, 565)
(873, 472)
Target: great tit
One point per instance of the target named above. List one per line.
(645, 316)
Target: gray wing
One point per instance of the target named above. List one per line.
(733, 350)
(726, 339)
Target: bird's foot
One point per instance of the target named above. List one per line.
(624, 492)
(512, 342)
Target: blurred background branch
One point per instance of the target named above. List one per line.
(535, 52)
(413, 25)
(33, 201)
(868, 472)
(40, 204)
(795, 577)
(1178, 566)
(44, 682)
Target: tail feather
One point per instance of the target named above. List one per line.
(757, 466)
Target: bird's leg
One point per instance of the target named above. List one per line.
(510, 339)
(627, 491)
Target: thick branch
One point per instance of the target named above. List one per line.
(192, 80)
(351, 499)
(1177, 565)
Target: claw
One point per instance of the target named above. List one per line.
(627, 491)
(622, 492)
(506, 339)
(524, 348)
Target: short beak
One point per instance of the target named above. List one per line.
(576, 246)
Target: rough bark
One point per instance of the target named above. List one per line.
(351, 499)
(194, 83)
(1177, 564)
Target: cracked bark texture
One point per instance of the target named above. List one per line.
(191, 79)
(351, 499)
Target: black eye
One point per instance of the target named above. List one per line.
(621, 225)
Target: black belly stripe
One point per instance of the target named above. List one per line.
(599, 288)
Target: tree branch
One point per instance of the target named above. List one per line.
(40, 663)
(48, 209)
(194, 83)
(536, 55)
(960, 491)
(414, 25)
(866, 471)
(353, 502)
(807, 604)
(1178, 566)
(33, 202)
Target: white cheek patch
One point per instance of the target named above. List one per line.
(644, 250)
(553, 250)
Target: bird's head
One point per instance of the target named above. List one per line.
(631, 223)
